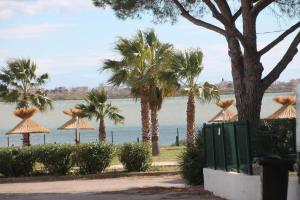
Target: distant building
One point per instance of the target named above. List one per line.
(60, 89)
(80, 90)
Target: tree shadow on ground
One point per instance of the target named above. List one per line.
(151, 193)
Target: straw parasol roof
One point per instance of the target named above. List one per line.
(72, 123)
(73, 112)
(225, 114)
(27, 125)
(287, 110)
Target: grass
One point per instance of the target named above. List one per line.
(167, 153)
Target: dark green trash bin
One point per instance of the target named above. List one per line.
(275, 177)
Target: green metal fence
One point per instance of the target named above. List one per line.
(231, 146)
(228, 146)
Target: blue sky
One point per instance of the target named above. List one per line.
(69, 39)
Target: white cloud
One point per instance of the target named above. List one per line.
(8, 8)
(25, 31)
(70, 63)
(5, 13)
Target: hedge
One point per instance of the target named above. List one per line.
(135, 156)
(56, 158)
(94, 157)
(16, 161)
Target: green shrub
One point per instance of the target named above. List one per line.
(135, 156)
(16, 161)
(5, 162)
(57, 158)
(94, 157)
(191, 162)
(275, 136)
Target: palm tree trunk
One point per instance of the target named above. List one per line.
(102, 133)
(26, 139)
(145, 115)
(155, 131)
(190, 117)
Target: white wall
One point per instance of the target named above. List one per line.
(236, 186)
(294, 189)
(233, 186)
(298, 118)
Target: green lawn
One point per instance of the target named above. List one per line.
(167, 153)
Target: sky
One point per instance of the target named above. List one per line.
(70, 39)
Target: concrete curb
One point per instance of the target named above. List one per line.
(85, 177)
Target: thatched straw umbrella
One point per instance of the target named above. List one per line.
(225, 114)
(75, 123)
(287, 110)
(27, 125)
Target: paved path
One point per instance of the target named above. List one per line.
(132, 188)
(98, 185)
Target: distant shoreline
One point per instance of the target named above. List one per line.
(131, 97)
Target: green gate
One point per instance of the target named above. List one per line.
(227, 146)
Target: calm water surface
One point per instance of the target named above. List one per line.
(171, 117)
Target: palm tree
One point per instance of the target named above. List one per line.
(97, 107)
(159, 85)
(136, 69)
(159, 89)
(186, 67)
(21, 85)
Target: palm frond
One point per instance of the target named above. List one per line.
(96, 106)
(188, 65)
(20, 84)
(112, 113)
(41, 80)
(11, 96)
(41, 100)
(208, 92)
(119, 78)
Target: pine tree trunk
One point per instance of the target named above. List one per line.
(155, 131)
(190, 119)
(102, 133)
(26, 139)
(247, 75)
(145, 115)
(245, 79)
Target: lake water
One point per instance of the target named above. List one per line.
(171, 117)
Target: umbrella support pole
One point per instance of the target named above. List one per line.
(77, 131)
(26, 139)
(77, 137)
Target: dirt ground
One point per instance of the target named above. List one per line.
(133, 188)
